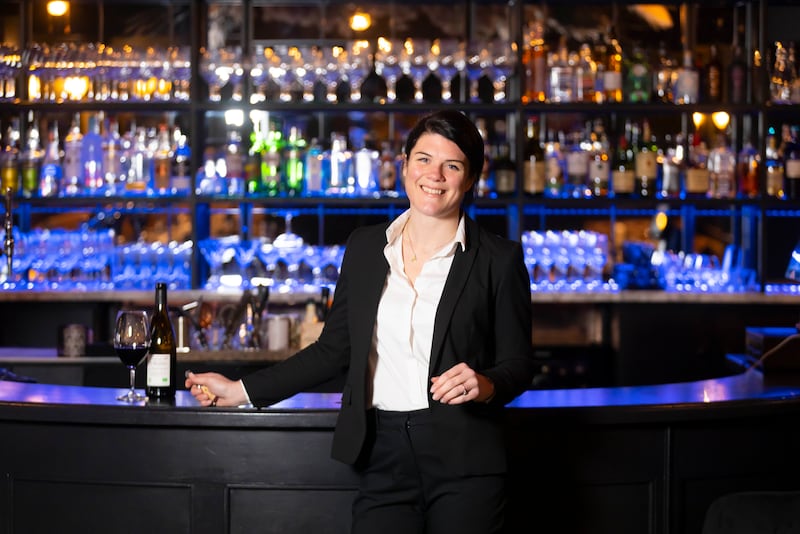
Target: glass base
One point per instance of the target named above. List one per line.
(132, 396)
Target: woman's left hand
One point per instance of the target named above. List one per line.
(461, 384)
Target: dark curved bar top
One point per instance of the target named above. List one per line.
(748, 387)
(627, 459)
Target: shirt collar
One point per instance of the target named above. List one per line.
(395, 231)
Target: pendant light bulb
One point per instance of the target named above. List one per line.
(57, 8)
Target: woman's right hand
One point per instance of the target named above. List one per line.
(213, 389)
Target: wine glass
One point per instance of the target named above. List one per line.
(131, 343)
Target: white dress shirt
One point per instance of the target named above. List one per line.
(403, 334)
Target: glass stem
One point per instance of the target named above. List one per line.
(133, 379)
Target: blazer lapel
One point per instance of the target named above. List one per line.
(453, 287)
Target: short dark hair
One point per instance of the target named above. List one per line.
(456, 127)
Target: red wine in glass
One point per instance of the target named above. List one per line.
(131, 343)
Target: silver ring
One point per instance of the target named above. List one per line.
(465, 390)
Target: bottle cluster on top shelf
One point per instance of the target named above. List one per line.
(608, 70)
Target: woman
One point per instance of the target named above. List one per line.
(431, 321)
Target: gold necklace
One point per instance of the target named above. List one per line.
(410, 243)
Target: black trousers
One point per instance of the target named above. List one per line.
(406, 487)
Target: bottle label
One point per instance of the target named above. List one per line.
(646, 163)
(314, 174)
(671, 179)
(697, 181)
(612, 80)
(775, 181)
(623, 181)
(792, 169)
(578, 164)
(534, 176)
(505, 180)
(158, 370)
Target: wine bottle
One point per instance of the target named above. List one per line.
(161, 361)
(646, 163)
(712, 78)
(792, 165)
(623, 176)
(505, 171)
(774, 165)
(534, 170)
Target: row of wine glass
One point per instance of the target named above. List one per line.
(84, 72)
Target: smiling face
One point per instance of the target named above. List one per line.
(436, 174)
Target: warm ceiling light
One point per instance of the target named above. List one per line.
(57, 8)
(360, 21)
(720, 119)
(698, 119)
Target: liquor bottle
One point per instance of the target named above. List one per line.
(663, 77)
(736, 91)
(336, 166)
(686, 89)
(50, 172)
(782, 78)
(387, 179)
(600, 54)
(774, 167)
(533, 167)
(577, 168)
(72, 170)
(92, 158)
(181, 177)
(30, 162)
(505, 171)
(748, 170)
(672, 168)
(234, 165)
(794, 85)
(722, 170)
(484, 187)
(792, 165)
(312, 184)
(638, 80)
(208, 182)
(599, 162)
(252, 166)
(712, 78)
(555, 167)
(585, 74)
(562, 75)
(366, 169)
(9, 159)
(271, 162)
(697, 178)
(759, 78)
(623, 177)
(112, 158)
(141, 165)
(646, 163)
(294, 163)
(612, 78)
(534, 60)
(161, 360)
(162, 162)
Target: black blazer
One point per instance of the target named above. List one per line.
(483, 319)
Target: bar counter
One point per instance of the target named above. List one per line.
(622, 460)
